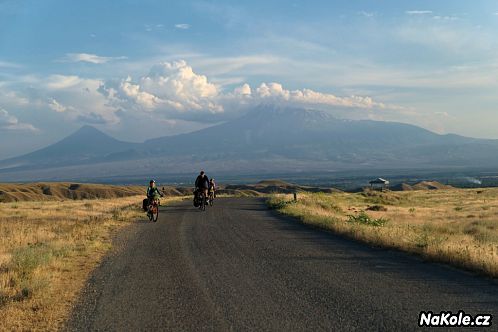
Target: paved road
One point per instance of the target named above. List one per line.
(238, 266)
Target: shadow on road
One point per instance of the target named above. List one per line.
(406, 266)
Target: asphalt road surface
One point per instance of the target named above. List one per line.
(238, 266)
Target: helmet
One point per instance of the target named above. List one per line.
(202, 172)
(152, 181)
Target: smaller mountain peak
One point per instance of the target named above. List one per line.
(87, 133)
(88, 129)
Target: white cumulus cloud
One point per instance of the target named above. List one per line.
(169, 88)
(275, 93)
(244, 90)
(56, 106)
(10, 122)
(173, 90)
(78, 99)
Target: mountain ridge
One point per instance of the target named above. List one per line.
(264, 139)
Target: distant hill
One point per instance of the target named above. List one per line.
(50, 191)
(265, 140)
(265, 183)
(277, 186)
(61, 191)
(423, 185)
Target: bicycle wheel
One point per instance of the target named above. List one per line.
(204, 202)
(155, 213)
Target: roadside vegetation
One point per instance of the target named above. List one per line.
(457, 226)
(47, 251)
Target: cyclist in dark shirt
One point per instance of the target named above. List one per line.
(202, 184)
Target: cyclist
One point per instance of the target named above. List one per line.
(152, 192)
(212, 188)
(202, 184)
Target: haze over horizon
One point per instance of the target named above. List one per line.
(145, 69)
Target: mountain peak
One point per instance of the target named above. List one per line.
(289, 116)
(87, 129)
(85, 143)
(90, 136)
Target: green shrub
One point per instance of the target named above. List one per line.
(26, 259)
(377, 208)
(277, 204)
(365, 219)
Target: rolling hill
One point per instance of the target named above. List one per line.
(56, 191)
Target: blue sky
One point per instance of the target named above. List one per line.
(141, 69)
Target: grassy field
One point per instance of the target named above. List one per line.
(457, 226)
(48, 249)
(56, 191)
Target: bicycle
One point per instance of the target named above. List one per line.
(203, 201)
(200, 199)
(153, 210)
(211, 198)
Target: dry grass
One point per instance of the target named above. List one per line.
(455, 226)
(47, 250)
(56, 191)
